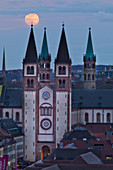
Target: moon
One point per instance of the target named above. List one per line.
(31, 19)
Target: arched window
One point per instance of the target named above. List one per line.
(84, 76)
(86, 117)
(17, 116)
(40, 76)
(89, 77)
(32, 83)
(93, 65)
(60, 70)
(85, 65)
(32, 70)
(63, 83)
(60, 84)
(108, 117)
(28, 70)
(48, 65)
(48, 76)
(7, 114)
(98, 117)
(28, 83)
(93, 77)
(64, 70)
(43, 77)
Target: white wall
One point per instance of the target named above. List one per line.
(61, 115)
(29, 124)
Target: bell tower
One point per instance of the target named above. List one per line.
(44, 62)
(62, 88)
(30, 102)
(89, 65)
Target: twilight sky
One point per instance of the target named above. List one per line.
(78, 16)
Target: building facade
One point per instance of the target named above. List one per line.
(46, 111)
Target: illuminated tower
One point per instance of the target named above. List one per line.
(62, 88)
(89, 65)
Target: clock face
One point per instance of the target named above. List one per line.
(46, 124)
(46, 95)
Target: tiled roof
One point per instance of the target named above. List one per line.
(31, 53)
(13, 97)
(10, 126)
(82, 98)
(63, 54)
(79, 135)
(44, 52)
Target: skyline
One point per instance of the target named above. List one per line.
(77, 16)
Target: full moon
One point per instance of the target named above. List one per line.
(31, 19)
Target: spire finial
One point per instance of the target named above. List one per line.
(89, 28)
(31, 24)
(44, 28)
(63, 24)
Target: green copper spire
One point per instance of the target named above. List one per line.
(44, 52)
(89, 51)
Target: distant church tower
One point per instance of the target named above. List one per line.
(62, 88)
(89, 65)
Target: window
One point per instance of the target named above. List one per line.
(108, 117)
(63, 83)
(60, 84)
(28, 83)
(84, 76)
(32, 70)
(42, 111)
(17, 116)
(60, 70)
(46, 111)
(89, 77)
(47, 76)
(93, 77)
(85, 65)
(7, 114)
(93, 65)
(108, 157)
(86, 117)
(40, 76)
(64, 70)
(98, 117)
(43, 77)
(32, 83)
(28, 70)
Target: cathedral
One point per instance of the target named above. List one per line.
(46, 112)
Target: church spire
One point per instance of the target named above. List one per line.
(3, 63)
(63, 54)
(31, 53)
(44, 52)
(89, 51)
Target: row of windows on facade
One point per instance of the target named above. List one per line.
(89, 65)
(17, 116)
(46, 111)
(98, 117)
(89, 77)
(44, 76)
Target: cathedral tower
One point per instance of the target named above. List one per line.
(44, 61)
(30, 102)
(62, 88)
(89, 65)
